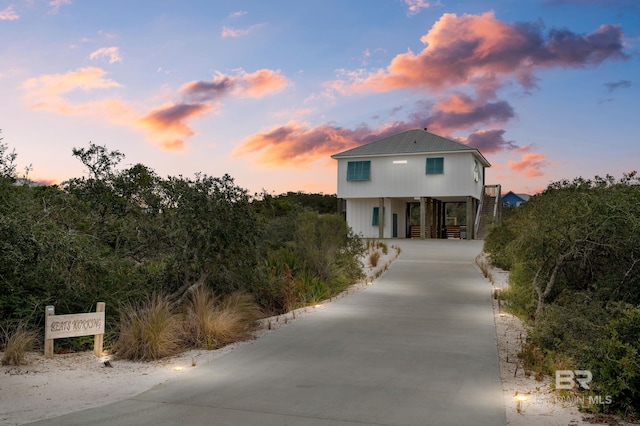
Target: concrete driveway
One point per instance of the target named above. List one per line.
(416, 348)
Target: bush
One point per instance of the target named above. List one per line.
(17, 343)
(615, 360)
(212, 323)
(373, 258)
(148, 330)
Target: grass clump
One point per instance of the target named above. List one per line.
(148, 330)
(18, 342)
(211, 322)
(374, 258)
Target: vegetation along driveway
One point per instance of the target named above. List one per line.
(416, 348)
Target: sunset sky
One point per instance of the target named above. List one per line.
(266, 91)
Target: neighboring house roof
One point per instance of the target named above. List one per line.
(513, 198)
(410, 142)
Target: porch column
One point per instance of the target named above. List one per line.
(422, 218)
(381, 218)
(470, 218)
(429, 230)
(438, 227)
(434, 218)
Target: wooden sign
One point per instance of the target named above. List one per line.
(74, 325)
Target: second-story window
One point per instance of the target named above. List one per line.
(435, 166)
(358, 170)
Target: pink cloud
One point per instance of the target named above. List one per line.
(490, 141)
(460, 111)
(530, 164)
(56, 84)
(168, 123)
(296, 144)
(8, 14)
(416, 5)
(110, 53)
(256, 85)
(235, 33)
(478, 49)
(57, 4)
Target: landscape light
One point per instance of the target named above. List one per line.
(519, 400)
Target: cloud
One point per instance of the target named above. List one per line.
(110, 53)
(8, 14)
(234, 33)
(168, 123)
(460, 111)
(53, 85)
(416, 5)
(282, 145)
(530, 164)
(490, 141)
(614, 85)
(237, 14)
(256, 85)
(477, 49)
(296, 144)
(56, 4)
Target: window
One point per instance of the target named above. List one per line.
(376, 216)
(359, 170)
(435, 166)
(476, 171)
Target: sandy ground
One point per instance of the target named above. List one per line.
(45, 388)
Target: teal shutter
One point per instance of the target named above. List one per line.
(376, 214)
(435, 166)
(358, 170)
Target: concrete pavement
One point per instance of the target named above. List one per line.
(416, 348)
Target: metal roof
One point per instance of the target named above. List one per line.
(409, 142)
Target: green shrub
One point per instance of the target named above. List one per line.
(148, 330)
(615, 361)
(580, 333)
(520, 296)
(497, 245)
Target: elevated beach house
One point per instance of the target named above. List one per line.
(400, 186)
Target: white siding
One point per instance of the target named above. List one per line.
(407, 177)
(360, 217)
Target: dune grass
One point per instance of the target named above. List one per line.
(211, 322)
(18, 342)
(148, 330)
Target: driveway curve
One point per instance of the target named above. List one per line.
(416, 348)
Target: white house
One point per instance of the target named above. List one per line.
(397, 187)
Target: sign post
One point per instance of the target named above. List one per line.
(75, 325)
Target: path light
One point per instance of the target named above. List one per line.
(519, 400)
(178, 368)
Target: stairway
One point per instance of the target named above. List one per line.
(489, 214)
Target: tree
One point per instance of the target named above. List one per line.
(100, 161)
(7, 161)
(576, 235)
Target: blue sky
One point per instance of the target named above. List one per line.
(267, 91)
